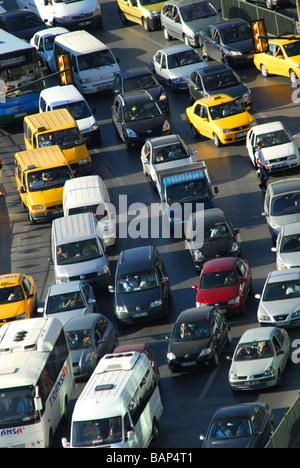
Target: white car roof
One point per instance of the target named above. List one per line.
(267, 127)
(257, 334)
(175, 49)
(52, 31)
(291, 228)
(64, 288)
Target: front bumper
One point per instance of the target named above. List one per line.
(253, 382)
(146, 314)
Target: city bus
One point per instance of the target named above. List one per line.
(21, 79)
(36, 382)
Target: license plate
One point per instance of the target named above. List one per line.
(84, 23)
(56, 212)
(100, 88)
(187, 364)
(21, 114)
(251, 384)
(140, 314)
(241, 135)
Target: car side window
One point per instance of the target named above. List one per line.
(241, 269)
(101, 327)
(163, 61)
(279, 336)
(26, 285)
(276, 344)
(203, 112)
(158, 57)
(256, 418)
(85, 289)
(197, 109)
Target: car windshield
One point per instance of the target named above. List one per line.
(78, 109)
(230, 428)
(217, 231)
(181, 59)
(134, 282)
(226, 109)
(288, 203)
(66, 139)
(51, 178)
(191, 330)
(281, 290)
(220, 80)
(218, 279)
(11, 294)
(169, 153)
(197, 10)
(290, 243)
(279, 137)
(189, 191)
(49, 42)
(100, 58)
(17, 407)
(77, 252)
(64, 302)
(148, 110)
(21, 22)
(292, 49)
(237, 33)
(79, 339)
(140, 82)
(97, 432)
(253, 351)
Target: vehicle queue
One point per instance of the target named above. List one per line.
(193, 331)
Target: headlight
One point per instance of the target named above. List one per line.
(225, 130)
(88, 357)
(291, 157)
(166, 126)
(171, 356)
(236, 300)
(281, 266)
(21, 316)
(156, 303)
(198, 254)
(162, 97)
(200, 304)
(252, 124)
(233, 53)
(83, 161)
(85, 80)
(180, 79)
(234, 247)
(62, 279)
(102, 271)
(205, 352)
(269, 371)
(296, 313)
(233, 376)
(152, 14)
(121, 309)
(37, 207)
(130, 133)
(263, 318)
(65, 18)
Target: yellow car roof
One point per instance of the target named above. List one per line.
(284, 41)
(215, 100)
(12, 279)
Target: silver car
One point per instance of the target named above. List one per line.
(288, 247)
(184, 19)
(282, 204)
(67, 300)
(174, 64)
(280, 300)
(89, 337)
(259, 359)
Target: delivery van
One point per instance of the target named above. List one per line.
(92, 63)
(119, 407)
(58, 127)
(89, 194)
(69, 14)
(40, 176)
(59, 97)
(78, 251)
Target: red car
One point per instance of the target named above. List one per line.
(141, 348)
(225, 283)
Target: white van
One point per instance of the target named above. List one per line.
(69, 14)
(119, 407)
(78, 252)
(43, 41)
(92, 62)
(68, 96)
(89, 194)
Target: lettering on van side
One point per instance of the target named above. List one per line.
(14, 431)
(59, 384)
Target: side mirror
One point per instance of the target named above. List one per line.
(194, 287)
(65, 443)
(111, 289)
(216, 190)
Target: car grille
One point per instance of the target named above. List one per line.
(157, 131)
(55, 207)
(139, 309)
(82, 16)
(237, 129)
(88, 276)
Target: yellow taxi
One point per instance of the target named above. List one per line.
(282, 58)
(220, 118)
(144, 12)
(18, 298)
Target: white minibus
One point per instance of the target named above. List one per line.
(120, 405)
(36, 381)
(66, 13)
(92, 63)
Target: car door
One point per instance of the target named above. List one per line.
(208, 39)
(30, 296)
(175, 24)
(244, 279)
(195, 86)
(156, 64)
(201, 120)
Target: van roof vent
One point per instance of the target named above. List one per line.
(118, 362)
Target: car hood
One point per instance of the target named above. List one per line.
(191, 347)
(138, 298)
(279, 151)
(144, 125)
(50, 197)
(220, 247)
(282, 307)
(234, 442)
(235, 91)
(202, 23)
(81, 268)
(233, 121)
(12, 309)
(245, 46)
(215, 296)
(252, 367)
(185, 70)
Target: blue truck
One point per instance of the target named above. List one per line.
(182, 190)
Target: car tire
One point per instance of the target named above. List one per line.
(155, 430)
(186, 40)
(215, 360)
(264, 71)
(228, 337)
(145, 24)
(166, 34)
(31, 219)
(293, 76)
(194, 131)
(123, 18)
(216, 141)
(279, 379)
(204, 53)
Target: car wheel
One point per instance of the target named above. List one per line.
(123, 18)
(228, 337)
(293, 76)
(155, 430)
(166, 34)
(264, 71)
(204, 53)
(216, 140)
(32, 221)
(194, 131)
(279, 380)
(145, 24)
(215, 360)
(186, 40)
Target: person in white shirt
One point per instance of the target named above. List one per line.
(263, 168)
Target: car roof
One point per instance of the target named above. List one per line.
(183, 3)
(290, 228)
(135, 97)
(51, 31)
(213, 69)
(62, 288)
(175, 49)
(10, 279)
(195, 313)
(257, 334)
(164, 140)
(212, 214)
(229, 23)
(220, 264)
(283, 41)
(134, 260)
(267, 127)
(134, 72)
(242, 410)
(81, 322)
(284, 186)
(215, 99)
(276, 276)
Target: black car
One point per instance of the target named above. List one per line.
(136, 117)
(141, 78)
(248, 425)
(21, 23)
(210, 234)
(198, 337)
(219, 79)
(230, 42)
(142, 286)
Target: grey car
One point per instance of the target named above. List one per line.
(89, 337)
(184, 19)
(69, 299)
(288, 247)
(282, 204)
(213, 80)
